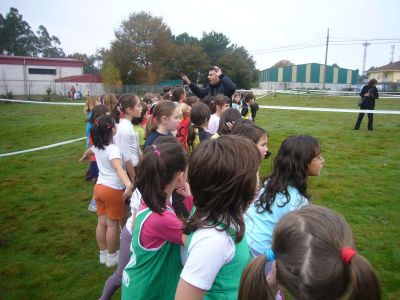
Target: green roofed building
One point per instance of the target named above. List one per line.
(307, 76)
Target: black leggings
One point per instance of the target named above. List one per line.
(361, 116)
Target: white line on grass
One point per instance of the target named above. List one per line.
(42, 102)
(43, 147)
(389, 112)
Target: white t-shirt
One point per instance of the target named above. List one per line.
(209, 250)
(213, 124)
(127, 140)
(135, 203)
(107, 174)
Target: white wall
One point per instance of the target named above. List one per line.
(12, 79)
(297, 85)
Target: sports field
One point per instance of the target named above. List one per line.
(47, 243)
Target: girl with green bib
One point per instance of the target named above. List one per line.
(155, 264)
(223, 179)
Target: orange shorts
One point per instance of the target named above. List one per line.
(109, 202)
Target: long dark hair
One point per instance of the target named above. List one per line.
(248, 129)
(372, 82)
(177, 94)
(253, 283)
(97, 111)
(101, 131)
(124, 102)
(223, 182)
(160, 163)
(231, 115)
(199, 115)
(308, 244)
(139, 120)
(290, 168)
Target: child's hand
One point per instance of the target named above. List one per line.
(230, 125)
(128, 192)
(184, 190)
(83, 158)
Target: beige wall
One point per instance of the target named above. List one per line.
(387, 76)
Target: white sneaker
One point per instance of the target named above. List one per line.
(92, 206)
(103, 256)
(112, 259)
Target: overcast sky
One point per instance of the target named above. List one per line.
(85, 25)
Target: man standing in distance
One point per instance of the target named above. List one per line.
(219, 83)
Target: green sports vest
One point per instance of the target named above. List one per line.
(226, 284)
(151, 273)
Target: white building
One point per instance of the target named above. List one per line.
(24, 75)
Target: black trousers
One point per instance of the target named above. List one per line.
(361, 116)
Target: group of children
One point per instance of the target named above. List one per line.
(197, 221)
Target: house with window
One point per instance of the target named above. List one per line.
(25, 75)
(388, 76)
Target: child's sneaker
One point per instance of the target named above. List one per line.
(92, 206)
(103, 256)
(112, 259)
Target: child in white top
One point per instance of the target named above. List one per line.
(112, 188)
(217, 107)
(126, 138)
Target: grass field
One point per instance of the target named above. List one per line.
(47, 243)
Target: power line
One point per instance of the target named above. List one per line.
(333, 43)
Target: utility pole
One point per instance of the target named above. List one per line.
(326, 59)
(391, 53)
(366, 44)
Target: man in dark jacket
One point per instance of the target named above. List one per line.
(219, 84)
(368, 94)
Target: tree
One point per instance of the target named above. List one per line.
(110, 76)
(47, 45)
(90, 62)
(215, 45)
(239, 66)
(188, 59)
(142, 48)
(184, 39)
(16, 36)
(283, 63)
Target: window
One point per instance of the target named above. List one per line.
(42, 71)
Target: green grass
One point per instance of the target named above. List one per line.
(47, 243)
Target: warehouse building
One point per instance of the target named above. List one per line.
(307, 76)
(24, 75)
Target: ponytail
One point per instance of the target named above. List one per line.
(179, 207)
(159, 166)
(110, 101)
(124, 102)
(150, 126)
(161, 109)
(364, 282)
(219, 100)
(102, 131)
(199, 116)
(253, 283)
(192, 133)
